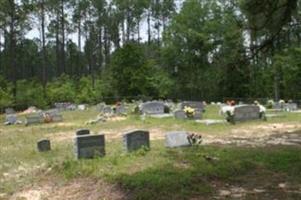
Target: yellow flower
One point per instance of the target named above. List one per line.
(189, 111)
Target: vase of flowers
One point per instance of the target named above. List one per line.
(190, 112)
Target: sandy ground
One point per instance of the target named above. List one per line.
(89, 189)
(270, 134)
(78, 189)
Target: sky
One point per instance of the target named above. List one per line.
(35, 33)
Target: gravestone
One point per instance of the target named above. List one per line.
(152, 108)
(82, 132)
(135, 140)
(107, 110)
(246, 112)
(89, 146)
(176, 139)
(65, 106)
(10, 119)
(278, 106)
(9, 111)
(34, 118)
(197, 105)
(120, 110)
(52, 116)
(100, 107)
(81, 107)
(44, 145)
(197, 115)
(180, 114)
(290, 107)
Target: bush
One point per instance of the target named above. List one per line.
(61, 90)
(85, 92)
(30, 93)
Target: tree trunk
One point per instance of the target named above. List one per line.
(123, 31)
(128, 25)
(44, 68)
(57, 42)
(138, 29)
(79, 66)
(149, 27)
(100, 56)
(63, 37)
(13, 47)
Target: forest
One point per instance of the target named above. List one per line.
(88, 51)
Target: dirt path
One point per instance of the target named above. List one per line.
(79, 189)
(261, 135)
(271, 134)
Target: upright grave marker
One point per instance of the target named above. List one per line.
(10, 119)
(89, 146)
(44, 145)
(197, 105)
(135, 140)
(177, 139)
(246, 112)
(34, 118)
(152, 108)
(82, 132)
(180, 114)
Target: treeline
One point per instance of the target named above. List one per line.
(193, 49)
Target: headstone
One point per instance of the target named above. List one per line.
(197, 105)
(10, 119)
(52, 116)
(107, 110)
(135, 140)
(177, 139)
(180, 114)
(9, 111)
(152, 108)
(120, 110)
(82, 132)
(89, 146)
(65, 106)
(44, 145)
(197, 115)
(34, 118)
(278, 106)
(246, 112)
(81, 107)
(290, 107)
(100, 106)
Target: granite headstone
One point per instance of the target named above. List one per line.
(89, 146)
(153, 108)
(176, 139)
(82, 132)
(246, 112)
(44, 145)
(135, 140)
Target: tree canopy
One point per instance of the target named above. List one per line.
(92, 50)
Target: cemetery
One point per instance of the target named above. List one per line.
(141, 147)
(150, 99)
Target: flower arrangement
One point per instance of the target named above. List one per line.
(194, 139)
(190, 112)
(270, 103)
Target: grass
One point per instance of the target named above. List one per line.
(160, 173)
